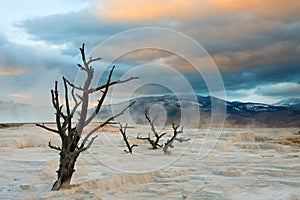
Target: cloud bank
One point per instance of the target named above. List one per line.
(254, 43)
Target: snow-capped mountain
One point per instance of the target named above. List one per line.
(290, 102)
(237, 113)
(205, 103)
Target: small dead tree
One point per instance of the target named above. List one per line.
(72, 141)
(125, 138)
(154, 142)
(169, 143)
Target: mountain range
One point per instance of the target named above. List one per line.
(285, 113)
(168, 109)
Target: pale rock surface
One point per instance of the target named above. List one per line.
(241, 166)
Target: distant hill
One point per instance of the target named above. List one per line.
(290, 103)
(237, 113)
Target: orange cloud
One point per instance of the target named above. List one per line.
(276, 53)
(181, 64)
(145, 10)
(11, 71)
(279, 9)
(149, 54)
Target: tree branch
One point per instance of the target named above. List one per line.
(55, 101)
(80, 66)
(143, 138)
(86, 63)
(169, 143)
(104, 123)
(92, 90)
(151, 123)
(83, 56)
(54, 147)
(134, 145)
(86, 147)
(85, 94)
(157, 135)
(100, 102)
(125, 138)
(69, 117)
(74, 86)
(77, 103)
(93, 60)
(48, 129)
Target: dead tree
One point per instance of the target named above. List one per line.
(72, 141)
(154, 142)
(169, 143)
(125, 138)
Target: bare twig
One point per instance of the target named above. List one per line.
(125, 138)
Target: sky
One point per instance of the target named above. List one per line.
(255, 44)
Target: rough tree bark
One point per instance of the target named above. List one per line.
(154, 142)
(72, 142)
(125, 138)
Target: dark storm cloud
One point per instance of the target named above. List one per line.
(33, 57)
(260, 52)
(251, 46)
(234, 41)
(29, 71)
(239, 41)
(71, 28)
(252, 78)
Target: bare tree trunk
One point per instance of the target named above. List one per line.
(70, 135)
(65, 171)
